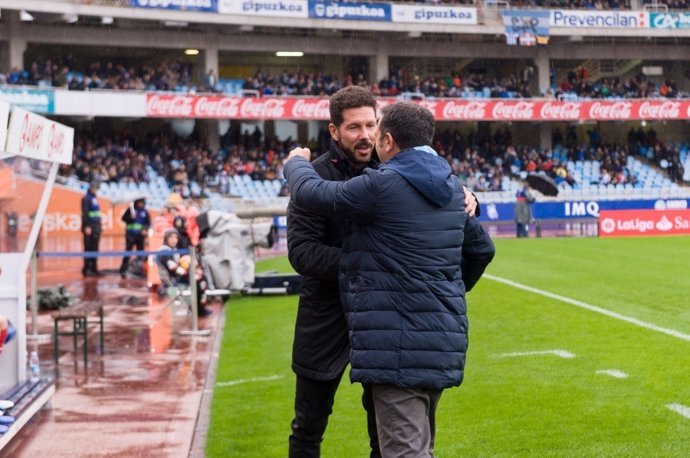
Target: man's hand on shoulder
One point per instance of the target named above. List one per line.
(470, 202)
(299, 152)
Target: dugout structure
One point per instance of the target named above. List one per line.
(31, 150)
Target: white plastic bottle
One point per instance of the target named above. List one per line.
(34, 367)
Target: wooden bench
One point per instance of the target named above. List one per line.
(79, 314)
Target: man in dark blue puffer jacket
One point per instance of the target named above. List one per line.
(401, 279)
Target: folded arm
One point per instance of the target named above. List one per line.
(477, 252)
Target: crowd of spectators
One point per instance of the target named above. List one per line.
(667, 156)
(65, 72)
(479, 159)
(455, 85)
(177, 76)
(399, 82)
(188, 166)
(672, 4)
(577, 82)
(299, 83)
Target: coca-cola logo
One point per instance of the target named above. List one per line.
(170, 106)
(656, 110)
(513, 110)
(560, 110)
(464, 110)
(56, 141)
(311, 109)
(431, 106)
(262, 108)
(30, 135)
(615, 110)
(216, 107)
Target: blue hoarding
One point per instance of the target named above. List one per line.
(35, 100)
(577, 209)
(350, 11)
(669, 20)
(206, 6)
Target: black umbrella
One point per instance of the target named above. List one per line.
(543, 183)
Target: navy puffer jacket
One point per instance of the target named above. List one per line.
(400, 275)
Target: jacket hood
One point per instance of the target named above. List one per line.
(428, 173)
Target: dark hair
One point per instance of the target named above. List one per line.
(179, 222)
(408, 123)
(168, 233)
(347, 98)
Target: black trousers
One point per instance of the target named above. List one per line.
(131, 241)
(91, 244)
(313, 405)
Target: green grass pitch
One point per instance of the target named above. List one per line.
(510, 404)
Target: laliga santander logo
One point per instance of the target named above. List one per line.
(30, 135)
(311, 109)
(266, 108)
(616, 110)
(170, 106)
(560, 110)
(655, 110)
(664, 224)
(608, 225)
(470, 110)
(513, 110)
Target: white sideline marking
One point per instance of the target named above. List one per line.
(592, 308)
(249, 380)
(680, 409)
(560, 353)
(615, 373)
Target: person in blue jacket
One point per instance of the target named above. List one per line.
(409, 256)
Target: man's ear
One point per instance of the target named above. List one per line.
(333, 130)
(389, 143)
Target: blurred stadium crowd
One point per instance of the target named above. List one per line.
(482, 162)
(177, 75)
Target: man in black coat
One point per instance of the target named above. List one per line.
(320, 350)
(400, 276)
(321, 346)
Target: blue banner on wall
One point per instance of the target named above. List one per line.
(578, 209)
(526, 27)
(350, 11)
(38, 101)
(206, 6)
(669, 20)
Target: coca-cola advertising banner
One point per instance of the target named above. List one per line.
(221, 107)
(616, 223)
